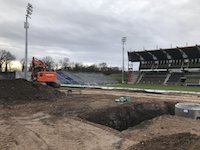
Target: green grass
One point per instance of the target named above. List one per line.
(158, 87)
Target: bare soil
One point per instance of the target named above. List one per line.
(180, 141)
(14, 91)
(92, 120)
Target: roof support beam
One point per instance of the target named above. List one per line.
(185, 56)
(141, 58)
(167, 54)
(198, 48)
(154, 57)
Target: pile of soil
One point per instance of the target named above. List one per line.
(181, 141)
(20, 89)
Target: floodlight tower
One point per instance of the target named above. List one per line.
(123, 43)
(29, 11)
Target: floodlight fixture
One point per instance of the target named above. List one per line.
(123, 39)
(29, 5)
(29, 10)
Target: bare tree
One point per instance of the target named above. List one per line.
(103, 66)
(5, 58)
(49, 62)
(2, 58)
(64, 63)
(78, 67)
(9, 57)
(22, 61)
(92, 68)
(56, 66)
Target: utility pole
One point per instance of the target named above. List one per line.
(29, 11)
(123, 43)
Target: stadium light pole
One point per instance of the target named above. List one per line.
(29, 11)
(123, 43)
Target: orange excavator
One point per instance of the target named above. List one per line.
(40, 73)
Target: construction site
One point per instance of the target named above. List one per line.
(35, 116)
(83, 103)
(55, 110)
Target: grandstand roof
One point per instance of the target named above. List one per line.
(189, 52)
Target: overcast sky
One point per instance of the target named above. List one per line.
(90, 31)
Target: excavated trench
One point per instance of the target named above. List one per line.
(128, 115)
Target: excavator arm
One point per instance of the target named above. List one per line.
(38, 63)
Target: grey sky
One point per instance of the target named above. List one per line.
(90, 31)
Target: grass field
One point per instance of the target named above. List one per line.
(159, 87)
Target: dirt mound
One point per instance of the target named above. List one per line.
(181, 141)
(20, 89)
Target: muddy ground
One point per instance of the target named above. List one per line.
(91, 119)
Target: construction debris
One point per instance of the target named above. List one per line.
(123, 99)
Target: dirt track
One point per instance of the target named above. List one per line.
(153, 96)
(56, 124)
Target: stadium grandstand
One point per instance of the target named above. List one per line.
(84, 78)
(77, 78)
(173, 66)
